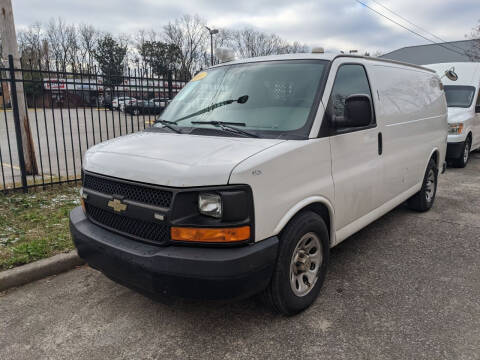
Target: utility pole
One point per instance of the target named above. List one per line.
(10, 47)
(5, 90)
(212, 32)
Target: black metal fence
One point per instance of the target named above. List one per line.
(68, 111)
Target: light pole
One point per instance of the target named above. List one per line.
(212, 32)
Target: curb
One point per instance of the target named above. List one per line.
(39, 270)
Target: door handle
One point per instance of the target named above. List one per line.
(380, 143)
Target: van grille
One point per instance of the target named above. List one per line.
(139, 193)
(142, 230)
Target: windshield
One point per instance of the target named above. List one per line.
(459, 96)
(280, 97)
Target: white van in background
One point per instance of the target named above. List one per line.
(255, 170)
(463, 109)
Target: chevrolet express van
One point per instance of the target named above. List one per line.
(463, 102)
(255, 170)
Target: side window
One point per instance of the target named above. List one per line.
(351, 79)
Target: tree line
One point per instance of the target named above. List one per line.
(182, 45)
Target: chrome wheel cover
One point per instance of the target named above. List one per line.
(466, 151)
(305, 264)
(430, 186)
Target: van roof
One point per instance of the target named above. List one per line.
(324, 56)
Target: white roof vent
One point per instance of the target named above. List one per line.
(224, 54)
(318, 50)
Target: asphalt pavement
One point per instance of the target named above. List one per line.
(405, 287)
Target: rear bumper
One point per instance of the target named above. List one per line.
(192, 272)
(454, 150)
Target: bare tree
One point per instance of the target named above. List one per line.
(250, 43)
(31, 45)
(474, 53)
(53, 39)
(71, 45)
(87, 40)
(296, 47)
(223, 38)
(144, 35)
(59, 43)
(141, 38)
(188, 33)
(62, 41)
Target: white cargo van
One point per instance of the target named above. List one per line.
(463, 102)
(255, 170)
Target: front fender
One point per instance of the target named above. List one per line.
(303, 204)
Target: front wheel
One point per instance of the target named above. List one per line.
(423, 200)
(462, 160)
(301, 265)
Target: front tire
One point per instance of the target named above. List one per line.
(423, 200)
(301, 265)
(462, 160)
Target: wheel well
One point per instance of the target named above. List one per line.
(435, 158)
(322, 210)
(469, 135)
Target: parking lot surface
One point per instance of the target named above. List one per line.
(61, 137)
(405, 287)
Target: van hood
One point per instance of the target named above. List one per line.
(458, 114)
(178, 160)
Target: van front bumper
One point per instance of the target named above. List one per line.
(192, 272)
(454, 150)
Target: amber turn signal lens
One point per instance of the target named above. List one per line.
(212, 235)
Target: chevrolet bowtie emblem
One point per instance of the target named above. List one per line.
(117, 205)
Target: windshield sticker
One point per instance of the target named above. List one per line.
(199, 76)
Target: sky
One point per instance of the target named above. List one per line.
(332, 24)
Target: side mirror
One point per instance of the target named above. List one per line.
(358, 112)
(451, 74)
(477, 109)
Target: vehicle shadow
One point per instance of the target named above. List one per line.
(351, 251)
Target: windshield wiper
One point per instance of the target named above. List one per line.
(168, 124)
(228, 126)
(241, 100)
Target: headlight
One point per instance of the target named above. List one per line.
(210, 204)
(455, 128)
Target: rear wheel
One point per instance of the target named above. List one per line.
(301, 265)
(423, 200)
(462, 160)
